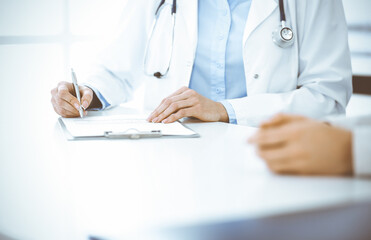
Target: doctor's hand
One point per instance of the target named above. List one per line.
(298, 145)
(66, 104)
(188, 103)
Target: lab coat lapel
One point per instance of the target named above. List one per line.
(188, 10)
(259, 11)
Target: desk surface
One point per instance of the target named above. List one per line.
(55, 189)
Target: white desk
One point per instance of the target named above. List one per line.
(54, 189)
(47, 191)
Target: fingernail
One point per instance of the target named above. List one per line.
(165, 121)
(155, 120)
(85, 104)
(77, 106)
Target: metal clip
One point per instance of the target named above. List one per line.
(133, 133)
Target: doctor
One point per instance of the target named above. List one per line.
(241, 61)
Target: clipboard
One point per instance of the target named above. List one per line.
(121, 127)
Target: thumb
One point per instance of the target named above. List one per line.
(86, 97)
(277, 120)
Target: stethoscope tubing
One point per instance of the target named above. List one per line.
(173, 8)
(278, 39)
(282, 11)
(173, 12)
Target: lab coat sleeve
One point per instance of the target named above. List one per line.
(324, 82)
(116, 73)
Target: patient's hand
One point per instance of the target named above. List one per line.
(298, 145)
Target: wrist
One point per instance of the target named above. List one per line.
(222, 112)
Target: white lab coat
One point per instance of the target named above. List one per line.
(361, 140)
(311, 78)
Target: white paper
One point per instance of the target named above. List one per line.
(97, 126)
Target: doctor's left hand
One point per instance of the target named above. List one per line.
(188, 103)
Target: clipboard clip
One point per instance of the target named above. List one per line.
(133, 133)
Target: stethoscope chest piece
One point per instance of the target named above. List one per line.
(283, 36)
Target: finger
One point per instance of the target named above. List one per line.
(268, 137)
(279, 163)
(166, 102)
(86, 97)
(172, 103)
(179, 91)
(66, 84)
(155, 113)
(185, 112)
(54, 91)
(273, 155)
(175, 107)
(294, 166)
(282, 160)
(63, 112)
(64, 93)
(280, 119)
(67, 114)
(276, 120)
(61, 103)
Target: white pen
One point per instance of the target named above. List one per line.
(77, 91)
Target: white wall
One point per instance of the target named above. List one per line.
(72, 27)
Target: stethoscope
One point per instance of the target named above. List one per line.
(160, 73)
(283, 37)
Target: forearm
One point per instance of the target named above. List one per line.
(254, 109)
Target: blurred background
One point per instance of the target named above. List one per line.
(359, 22)
(39, 41)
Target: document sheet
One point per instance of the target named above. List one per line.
(96, 126)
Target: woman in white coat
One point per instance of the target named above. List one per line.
(223, 63)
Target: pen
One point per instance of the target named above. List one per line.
(77, 91)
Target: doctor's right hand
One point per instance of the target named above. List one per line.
(66, 104)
